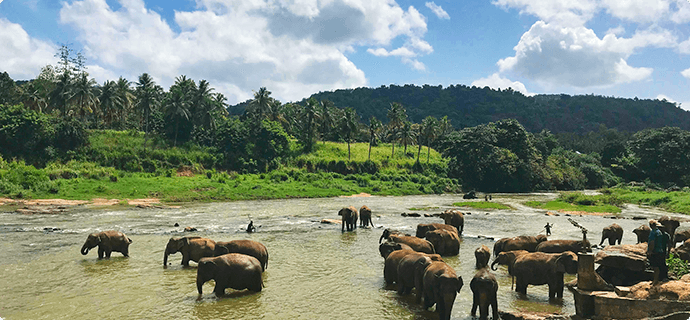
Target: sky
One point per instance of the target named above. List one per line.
(294, 48)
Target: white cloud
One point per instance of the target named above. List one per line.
(684, 47)
(637, 10)
(682, 105)
(555, 55)
(682, 15)
(437, 10)
(495, 81)
(562, 12)
(21, 55)
(686, 73)
(293, 47)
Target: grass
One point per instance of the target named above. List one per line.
(482, 205)
(576, 201)
(676, 201)
(423, 208)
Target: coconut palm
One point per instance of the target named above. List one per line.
(85, 94)
(203, 106)
(327, 119)
(261, 104)
(147, 100)
(32, 98)
(349, 127)
(407, 135)
(309, 121)
(124, 92)
(177, 107)
(374, 131)
(61, 93)
(429, 131)
(111, 102)
(396, 118)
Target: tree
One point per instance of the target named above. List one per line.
(111, 102)
(310, 119)
(374, 131)
(84, 94)
(662, 155)
(349, 127)
(429, 130)
(177, 108)
(127, 98)
(327, 119)
(407, 135)
(396, 118)
(147, 100)
(260, 106)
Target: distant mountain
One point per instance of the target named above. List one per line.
(470, 106)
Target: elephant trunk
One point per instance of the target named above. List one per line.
(84, 250)
(199, 285)
(165, 258)
(380, 239)
(493, 264)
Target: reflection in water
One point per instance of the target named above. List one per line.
(315, 271)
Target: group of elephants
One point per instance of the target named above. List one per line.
(614, 234)
(236, 264)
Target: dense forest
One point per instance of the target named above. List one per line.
(492, 140)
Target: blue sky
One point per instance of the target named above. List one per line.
(622, 48)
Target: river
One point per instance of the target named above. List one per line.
(314, 270)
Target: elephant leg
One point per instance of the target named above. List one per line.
(484, 310)
(107, 253)
(401, 288)
(219, 289)
(185, 260)
(475, 303)
(101, 252)
(520, 286)
(494, 306)
(603, 237)
(428, 301)
(612, 241)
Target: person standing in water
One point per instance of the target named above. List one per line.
(548, 228)
(250, 227)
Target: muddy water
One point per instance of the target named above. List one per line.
(314, 270)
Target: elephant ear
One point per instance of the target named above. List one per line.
(561, 261)
(103, 238)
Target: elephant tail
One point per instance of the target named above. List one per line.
(266, 264)
(129, 240)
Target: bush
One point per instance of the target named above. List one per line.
(677, 267)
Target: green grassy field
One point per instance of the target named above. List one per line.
(676, 201)
(482, 205)
(117, 166)
(557, 205)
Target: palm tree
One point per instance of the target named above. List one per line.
(444, 126)
(327, 119)
(111, 102)
(374, 131)
(407, 134)
(147, 100)
(124, 92)
(61, 93)
(31, 96)
(85, 94)
(261, 103)
(349, 127)
(396, 118)
(429, 131)
(203, 106)
(177, 107)
(311, 117)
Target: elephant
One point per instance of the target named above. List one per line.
(440, 285)
(107, 242)
(191, 248)
(558, 246)
(349, 218)
(454, 218)
(419, 245)
(484, 294)
(683, 252)
(422, 228)
(613, 232)
(234, 270)
(508, 259)
(670, 226)
(390, 265)
(470, 195)
(681, 236)
(388, 232)
(642, 232)
(389, 246)
(411, 270)
(528, 243)
(365, 217)
(538, 268)
(248, 247)
(446, 243)
(482, 256)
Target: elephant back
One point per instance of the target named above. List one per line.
(417, 244)
(247, 247)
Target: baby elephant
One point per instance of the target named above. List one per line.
(107, 242)
(234, 270)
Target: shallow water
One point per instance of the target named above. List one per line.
(314, 270)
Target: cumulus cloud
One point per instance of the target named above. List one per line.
(563, 12)
(684, 47)
(495, 81)
(294, 47)
(637, 10)
(576, 56)
(437, 10)
(21, 55)
(686, 73)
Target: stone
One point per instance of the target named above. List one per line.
(626, 256)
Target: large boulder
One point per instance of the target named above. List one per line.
(623, 265)
(670, 290)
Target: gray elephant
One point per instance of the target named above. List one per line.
(365, 217)
(528, 243)
(508, 259)
(234, 270)
(482, 256)
(613, 232)
(670, 226)
(446, 243)
(538, 268)
(423, 228)
(411, 270)
(417, 244)
(440, 286)
(454, 218)
(558, 246)
(642, 232)
(349, 215)
(107, 242)
(390, 265)
(248, 247)
(388, 246)
(191, 248)
(388, 232)
(681, 236)
(484, 294)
